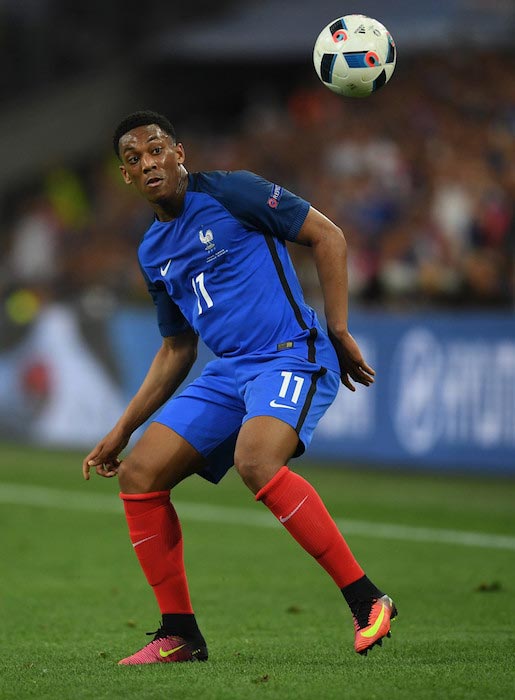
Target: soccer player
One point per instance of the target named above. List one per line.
(216, 265)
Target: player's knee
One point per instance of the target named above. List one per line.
(249, 472)
(134, 478)
(255, 472)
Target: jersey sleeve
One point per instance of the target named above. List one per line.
(261, 204)
(169, 317)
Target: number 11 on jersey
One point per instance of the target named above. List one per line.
(201, 292)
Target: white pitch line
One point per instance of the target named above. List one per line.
(40, 496)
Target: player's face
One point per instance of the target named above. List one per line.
(152, 162)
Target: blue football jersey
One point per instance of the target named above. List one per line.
(222, 268)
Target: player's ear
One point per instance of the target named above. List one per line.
(181, 156)
(125, 175)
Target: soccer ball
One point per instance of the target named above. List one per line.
(354, 55)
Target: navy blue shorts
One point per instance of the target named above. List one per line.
(211, 410)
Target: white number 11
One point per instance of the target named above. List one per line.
(287, 377)
(200, 291)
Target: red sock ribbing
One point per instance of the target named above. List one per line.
(297, 505)
(156, 536)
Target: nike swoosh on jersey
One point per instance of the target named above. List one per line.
(164, 654)
(274, 404)
(164, 269)
(285, 518)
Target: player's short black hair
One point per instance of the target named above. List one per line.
(141, 118)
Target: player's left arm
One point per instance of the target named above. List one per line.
(329, 247)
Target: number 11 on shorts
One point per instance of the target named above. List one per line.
(287, 377)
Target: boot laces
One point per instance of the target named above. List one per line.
(158, 634)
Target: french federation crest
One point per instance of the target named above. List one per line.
(207, 238)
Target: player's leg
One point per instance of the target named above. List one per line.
(294, 502)
(195, 433)
(158, 462)
(288, 422)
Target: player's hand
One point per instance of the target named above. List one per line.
(104, 457)
(352, 364)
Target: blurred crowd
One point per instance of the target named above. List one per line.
(420, 177)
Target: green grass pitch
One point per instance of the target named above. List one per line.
(74, 601)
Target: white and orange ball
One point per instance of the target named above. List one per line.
(354, 55)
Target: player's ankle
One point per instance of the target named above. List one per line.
(360, 590)
(183, 625)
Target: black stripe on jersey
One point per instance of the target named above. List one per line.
(289, 295)
(309, 398)
(284, 282)
(313, 333)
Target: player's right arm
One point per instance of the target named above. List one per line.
(169, 368)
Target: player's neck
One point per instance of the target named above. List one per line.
(170, 209)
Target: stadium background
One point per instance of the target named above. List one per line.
(421, 177)
(419, 477)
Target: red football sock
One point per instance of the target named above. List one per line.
(156, 536)
(297, 505)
